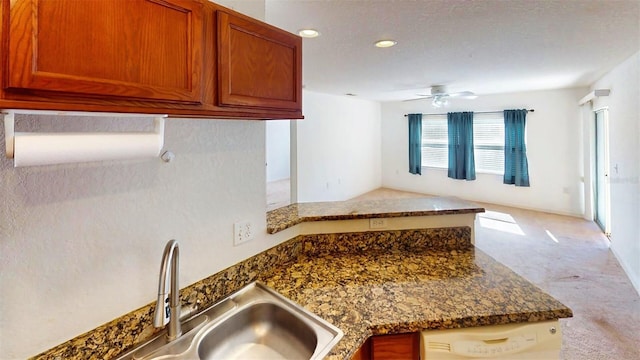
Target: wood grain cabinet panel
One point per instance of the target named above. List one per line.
(364, 352)
(184, 58)
(396, 347)
(135, 49)
(259, 66)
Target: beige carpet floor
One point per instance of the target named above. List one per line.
(570, 259)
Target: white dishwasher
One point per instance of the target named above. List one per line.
(535, 341)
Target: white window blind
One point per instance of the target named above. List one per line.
(435, 141)
(488, 141)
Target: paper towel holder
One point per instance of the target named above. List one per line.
(10, 134)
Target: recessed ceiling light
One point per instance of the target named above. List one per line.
(385, 43)
(308, 33)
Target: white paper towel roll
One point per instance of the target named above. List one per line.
(59, 148)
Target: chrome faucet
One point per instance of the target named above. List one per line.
(168, 303)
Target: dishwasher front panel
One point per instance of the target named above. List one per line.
(534, 341)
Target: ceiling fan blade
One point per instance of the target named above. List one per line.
(464, 94)
(420, 98)
(439, 94)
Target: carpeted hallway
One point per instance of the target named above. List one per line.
(569, 258)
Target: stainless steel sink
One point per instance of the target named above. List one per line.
(254, 323)
(259, 331)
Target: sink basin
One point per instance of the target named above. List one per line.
(260, 331)
(254, 323)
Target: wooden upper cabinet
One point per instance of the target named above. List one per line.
(134, 49)
(259, 66)
(184, 58)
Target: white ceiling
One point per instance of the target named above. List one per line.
(485, 46)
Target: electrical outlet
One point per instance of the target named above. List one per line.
(242, 232)
(377, 223)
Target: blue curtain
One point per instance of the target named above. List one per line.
(462, 163)
(415, 144)
(516, 168)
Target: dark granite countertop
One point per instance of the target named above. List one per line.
(404, 291)
(365, 283)
(288, 216)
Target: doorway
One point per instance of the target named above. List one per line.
(278, 163)
(602, 193)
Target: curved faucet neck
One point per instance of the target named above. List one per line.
(168, 303)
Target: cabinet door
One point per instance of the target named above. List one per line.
(259, 65)
(141, 49)
(396, 347)
(364, 352)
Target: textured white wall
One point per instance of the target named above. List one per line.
(553, 152)
(338, 148)
(254, 8)
(81, 244)
(278, 150)
(624, 153)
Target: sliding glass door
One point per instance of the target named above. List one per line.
(602, 213)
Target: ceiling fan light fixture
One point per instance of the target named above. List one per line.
(385, 43)
(439, 101)
(438, 90)
(308, 33)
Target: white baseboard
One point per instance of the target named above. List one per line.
(635, 281)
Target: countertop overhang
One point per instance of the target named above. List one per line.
(291, 215)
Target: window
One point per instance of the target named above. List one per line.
(488, 141)
(435, 139)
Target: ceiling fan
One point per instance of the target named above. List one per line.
(440, 96)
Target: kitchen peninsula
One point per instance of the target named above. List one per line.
(404, 278)
(288, 216)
